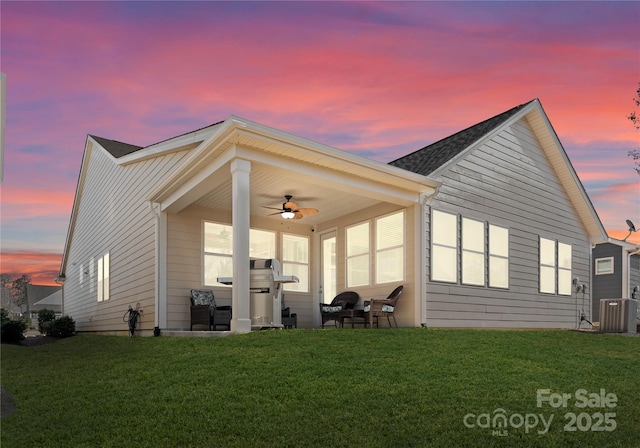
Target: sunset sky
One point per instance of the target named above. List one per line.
(377, 79)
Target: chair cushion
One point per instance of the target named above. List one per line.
(387, 308)
(331, 308)
(203, 297)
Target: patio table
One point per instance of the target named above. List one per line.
(353, 315)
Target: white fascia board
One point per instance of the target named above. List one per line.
(227, 132)
(629, 247)
(301, 143)
(175, 144)
(566, 172)
(194, 162)
(90, 144)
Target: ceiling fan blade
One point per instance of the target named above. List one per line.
(298, 216)
(307, 211)
(290, 204)
(271, 208)
(276, 213)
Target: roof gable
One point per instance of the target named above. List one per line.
(428, 159)
(115, 148)
(434, 159)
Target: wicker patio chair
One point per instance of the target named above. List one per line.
(343, 301)
(376, 308)
(205, 312)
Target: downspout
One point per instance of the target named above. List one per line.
(627, 273)
(424, 243)
(154, 208)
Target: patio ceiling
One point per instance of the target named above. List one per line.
(269, 185)
(317, 176)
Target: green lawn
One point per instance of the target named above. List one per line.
(331, 388)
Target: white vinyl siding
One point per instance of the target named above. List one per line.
(358, 255)
(498, 257)
(444, 247)
(472, 252)
(390, 248)
(295, 261)
(604, 266)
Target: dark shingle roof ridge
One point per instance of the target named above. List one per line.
(186, 133)
(115, 148)
(120, 149)
(431, 157)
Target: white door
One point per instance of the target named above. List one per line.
(328, 278)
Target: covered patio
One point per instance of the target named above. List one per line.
(238, 175)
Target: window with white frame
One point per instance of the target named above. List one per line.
(498, 257)
(604, 266)
(444, 246)
(547, 266)
(358, 255)
(473, 252)
(103, 277)
(564, 269)
(218, 249)
(390, 248)
(555, 267)
(295, 261)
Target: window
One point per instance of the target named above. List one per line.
(604, 266)
(218, 249)
(444, 246)
(358, 255)
(472, 252)
(555, 263)
(295, 261)
(262, 244)
(498, 257)
(547, 266)
(564, 269)
(103, 278)
(390, 248)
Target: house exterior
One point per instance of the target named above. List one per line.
(51, 302)
(486, 228)
(616, 273)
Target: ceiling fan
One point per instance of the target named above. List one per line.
(290, 209)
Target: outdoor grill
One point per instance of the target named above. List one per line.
(265, 292)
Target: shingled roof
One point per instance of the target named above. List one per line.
(428, 159)
(116, 149)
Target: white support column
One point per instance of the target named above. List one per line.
(241, 321)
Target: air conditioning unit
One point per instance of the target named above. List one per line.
(618, 315)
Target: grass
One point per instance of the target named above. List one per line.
(350, 388)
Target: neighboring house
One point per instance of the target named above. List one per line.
(52, 302)
(35, 295)
(486, 228)
(616, 272)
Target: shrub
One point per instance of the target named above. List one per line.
(4, 316)
(13, 331)
(62, 327)
(45, 315)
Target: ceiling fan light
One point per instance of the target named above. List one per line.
(288, 214)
